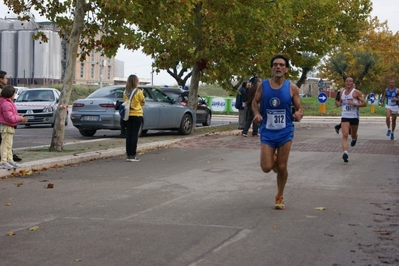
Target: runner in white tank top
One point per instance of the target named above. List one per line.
(351, 100)
(349, 110)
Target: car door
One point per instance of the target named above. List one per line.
(202, 110)
(151, 110)
(170, 112)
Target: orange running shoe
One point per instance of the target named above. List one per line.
(275, 166)
(279, 205)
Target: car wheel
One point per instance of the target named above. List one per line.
(186, 125)
(208, 120)
(87, 132)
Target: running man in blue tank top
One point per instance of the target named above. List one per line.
(391, 95)
(272, 108)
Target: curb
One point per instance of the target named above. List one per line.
(44, 164)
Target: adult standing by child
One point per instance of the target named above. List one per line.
(240, 104)
(133, 124)
(9, 119)
(272, 108)
(391, 96)
(351, 100)
(3, 82)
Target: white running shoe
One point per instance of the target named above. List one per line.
(7, 166)
(15, 165)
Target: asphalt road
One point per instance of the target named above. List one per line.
(205, 201)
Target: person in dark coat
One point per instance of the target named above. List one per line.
(240, 104)
(254, 81)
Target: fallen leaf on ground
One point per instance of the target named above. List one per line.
(78, 260)
(49, 185)
(34, 228)
(8, 204)
(10, 233)
(20, 184)
(320, 208)
(22, 173)
(383, 232)
(276, 226)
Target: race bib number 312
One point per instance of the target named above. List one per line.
(276, 119)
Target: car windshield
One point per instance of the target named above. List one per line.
(173, 95)
(36, 96)
(108, 92)
(161, 96)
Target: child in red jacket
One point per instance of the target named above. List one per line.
(9, 119)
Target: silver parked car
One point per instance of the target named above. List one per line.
(39, 105)
(160, 112)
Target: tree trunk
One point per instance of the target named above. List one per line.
(303, 77)
(193, 91)
(57, 140)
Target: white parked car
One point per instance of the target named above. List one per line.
(39, 105)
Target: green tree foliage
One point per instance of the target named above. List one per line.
(225, 42)
(371, 61)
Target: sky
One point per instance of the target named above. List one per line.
(139, 64)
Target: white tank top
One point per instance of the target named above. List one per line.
(349, 111)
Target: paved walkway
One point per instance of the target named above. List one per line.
(312, 134)
(308, 138)
(203, 201)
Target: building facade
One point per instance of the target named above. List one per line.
(29, 62)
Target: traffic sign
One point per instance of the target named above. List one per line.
(322, 97)
(321, 84)
(372, 97)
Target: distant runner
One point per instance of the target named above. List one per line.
(351, 100)
(391, 107)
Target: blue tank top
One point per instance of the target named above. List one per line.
(390, 95)
(275, 108)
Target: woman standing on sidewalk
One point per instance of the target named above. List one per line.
(133, 124)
